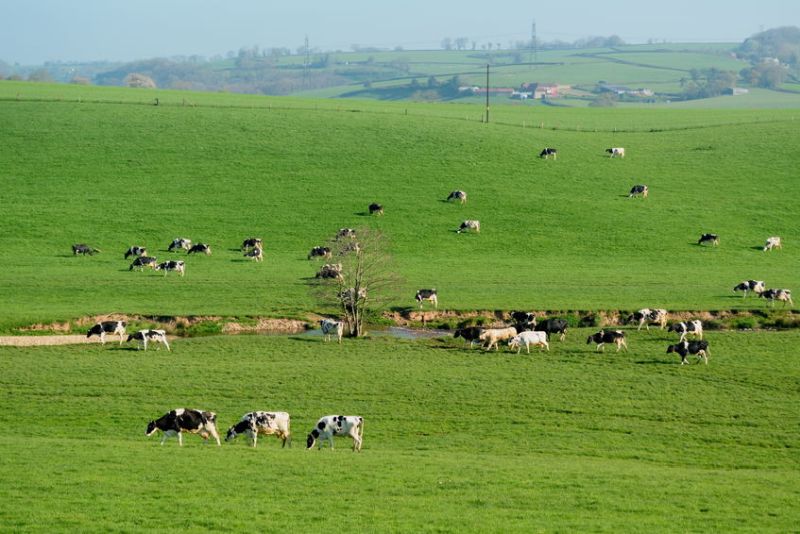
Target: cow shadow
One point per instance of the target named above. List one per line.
(654, 362)
(307, 339)
(362, 214)
(242, 260)
(760, 249)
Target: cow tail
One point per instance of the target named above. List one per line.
(361, 430)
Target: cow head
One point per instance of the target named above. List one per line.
(151, 427)
(514, 342)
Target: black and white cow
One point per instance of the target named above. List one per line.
(469, 225)
(171, 265)
(469, 333)
(694, 328)
(526, 320)
(616, 152)
(255, 254)
(332, 328)
(142, 337)
(608, 336)
(337, 425)
(708, 238)
(252, 242)
(755, 286)
(143, 261)
(267, 423)
(375, 209)
(180, 243)
(180, 420)
(84, 249)
(553, 326)
(108, 327)
(639, 189)
(199, 248)
(429, 295)
(645, 317)
(773, 242)
(459, 195)
(345, 233)
(547, 152)
(330, 270)
(135, 251)
(783, 295)
(319, 252)
(684, 348)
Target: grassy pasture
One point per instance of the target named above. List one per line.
(455, 440)
(556, 234)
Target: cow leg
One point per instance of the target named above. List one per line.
(213, 431)
(102, 337)
(180, 438)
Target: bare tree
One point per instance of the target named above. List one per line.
(364, 282)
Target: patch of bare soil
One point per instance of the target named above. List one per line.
(35, 341)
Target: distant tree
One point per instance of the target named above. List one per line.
(461, 43)
(474, 44)
(135, 79)
(780, 43)
(80, 80)
(432, 82)
(40, 75)
(447, 43)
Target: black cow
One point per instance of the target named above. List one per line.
(82, 248)
(108, 327)
(608, 336)
(135, 251)
(180, 420)
(319, 252)
(469, 333)
(375, 208)
(200, 247)
(143, 261)
(708, 238)
(684, 348)
(547, 152)
(553, 326)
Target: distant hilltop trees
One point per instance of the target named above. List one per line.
(774, 54)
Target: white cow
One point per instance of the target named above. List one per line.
(469, 225)
(331, 327)
(492, 336)
(616, 151)
(773, 242)
(529, 338)
(337, 425)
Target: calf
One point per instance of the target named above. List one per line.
(143, 261)
(108, 327)
(608, 336)
(319, 252)
(491, 336)
(637, 190)
(528, 338)
(180, 420)
(756, 286)
(177, 266)
(143, 336)
(330, 328)
(772, 242)
(330, 270)
(616, 152)
(135, 251)
(82, 248)
(547, 152)
(375, 209)
(708, 238)
(200, 248)
(427, 294)
(684, 348)
(469, 225)
(252, 242)
(783, 295)
(553, 326)
(180, 243)
(469, 333)
(337, 425)
(255, 254)
(267, 423)
(646, 317)
(461, 196)
(694, 328)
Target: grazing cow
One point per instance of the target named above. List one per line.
(528, 338)
(616, 152)
(330, 270)
(461, 196)
(345, 233)
(200, 248)
(135, 251)
(108, 327)
(608, 336)
(319, 252)
(708, 238)
(337, 425)
(637, 190)
(180, 243)
(756, 286)
(252, 242)
(784, 295)
(82, 248)
(177, 266)
(469, 225)
(547, 152)
(469, 333)
(427, 294)
(526, 320)
(491, 336)
(330, 328)
(267, 423)
(686, 328)
(375, 209)
(684, 348)
(180, 420)
(256, 254)
(553, 326)
(143, 336)
(143, 261)
(646, 317)
(773, 242)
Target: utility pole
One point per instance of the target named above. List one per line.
(487, 93)
(306, 64)
(534, 44)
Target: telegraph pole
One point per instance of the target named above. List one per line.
(487, 93)
(306, 64)
(533, 50)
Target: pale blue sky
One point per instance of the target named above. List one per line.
(34, 31)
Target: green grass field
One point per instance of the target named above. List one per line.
(455, 440)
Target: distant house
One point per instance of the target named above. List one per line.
(543, 90)
(735, 91)
(521, 95)
(621, 90)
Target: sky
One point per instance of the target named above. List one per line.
(35, 31)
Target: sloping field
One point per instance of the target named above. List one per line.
(555, 234)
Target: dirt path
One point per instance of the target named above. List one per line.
(34, 341)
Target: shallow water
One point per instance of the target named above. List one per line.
(398, 332)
